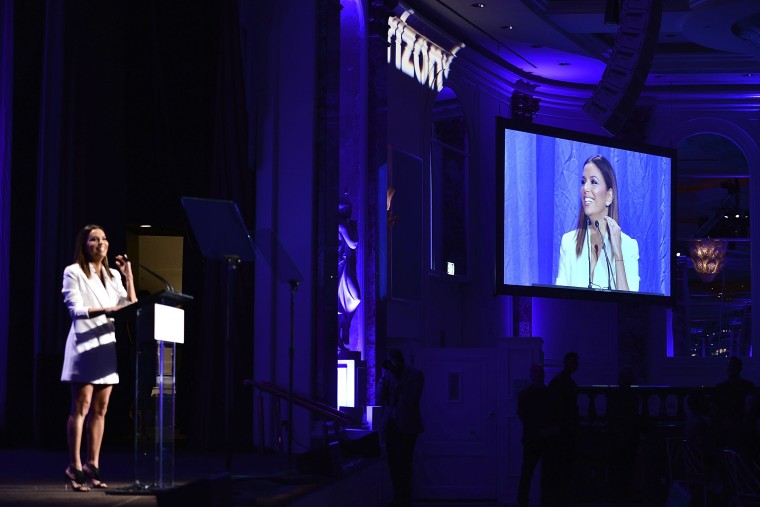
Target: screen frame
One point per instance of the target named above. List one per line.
(502, 125)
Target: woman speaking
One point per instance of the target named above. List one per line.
(91, 289)
(597, 254)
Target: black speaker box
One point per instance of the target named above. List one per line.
(614, 98)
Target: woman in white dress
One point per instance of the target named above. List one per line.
(90, 290)
(582, 259)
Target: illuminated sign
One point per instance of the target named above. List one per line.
(417, 56)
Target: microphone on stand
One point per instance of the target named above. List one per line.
(167, 286)
(606, 258)
(588, 222)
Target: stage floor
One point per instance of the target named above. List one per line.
(35, 478)
(32, 478)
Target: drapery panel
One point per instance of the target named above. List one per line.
(542, 180)
(231, 179)
(124, 128)
(6, 115)
(54, 208)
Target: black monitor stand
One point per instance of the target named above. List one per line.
(221, 235)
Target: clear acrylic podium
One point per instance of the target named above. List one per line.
(159, 326)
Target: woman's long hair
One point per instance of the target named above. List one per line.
(80, 250)
(608, 173)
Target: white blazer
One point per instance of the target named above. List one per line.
(574, 270)
(90, 354)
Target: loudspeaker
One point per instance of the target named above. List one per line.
(614, 98)
(215, 491)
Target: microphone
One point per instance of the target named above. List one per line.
(588, 222)
(163, 280)
(606, 258)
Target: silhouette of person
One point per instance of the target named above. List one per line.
(533, 411)
(349, 295)
(624, 431)
(730, 396)
(400, 392)
(560, 450)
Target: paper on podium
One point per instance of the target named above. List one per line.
(169, 324)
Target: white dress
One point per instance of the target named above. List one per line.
(90, 355)
(574, 270)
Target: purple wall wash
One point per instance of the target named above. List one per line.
(361, 330)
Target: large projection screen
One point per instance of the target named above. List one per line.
(539, 175)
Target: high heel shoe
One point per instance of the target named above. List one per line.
(75, 479)
(93, 476)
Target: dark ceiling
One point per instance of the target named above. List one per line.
(701, 42)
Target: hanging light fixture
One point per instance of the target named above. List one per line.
(708, 256)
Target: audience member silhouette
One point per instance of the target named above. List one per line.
(624, 428)
(533, 410)
(730, 396)
(557, 467)
(400, 392)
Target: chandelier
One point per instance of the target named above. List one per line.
(708, 256)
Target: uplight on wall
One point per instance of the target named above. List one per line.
(450, 268)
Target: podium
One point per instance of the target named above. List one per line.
(159, 326)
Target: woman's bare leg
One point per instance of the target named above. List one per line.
(96, 423)
(81, 397)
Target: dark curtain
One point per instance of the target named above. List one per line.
(56, 172)
(120, 109)
(6, 114)
(224, 364)
(29, 33)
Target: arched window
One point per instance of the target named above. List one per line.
(714, 303)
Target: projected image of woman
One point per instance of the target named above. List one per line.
(598, 254)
